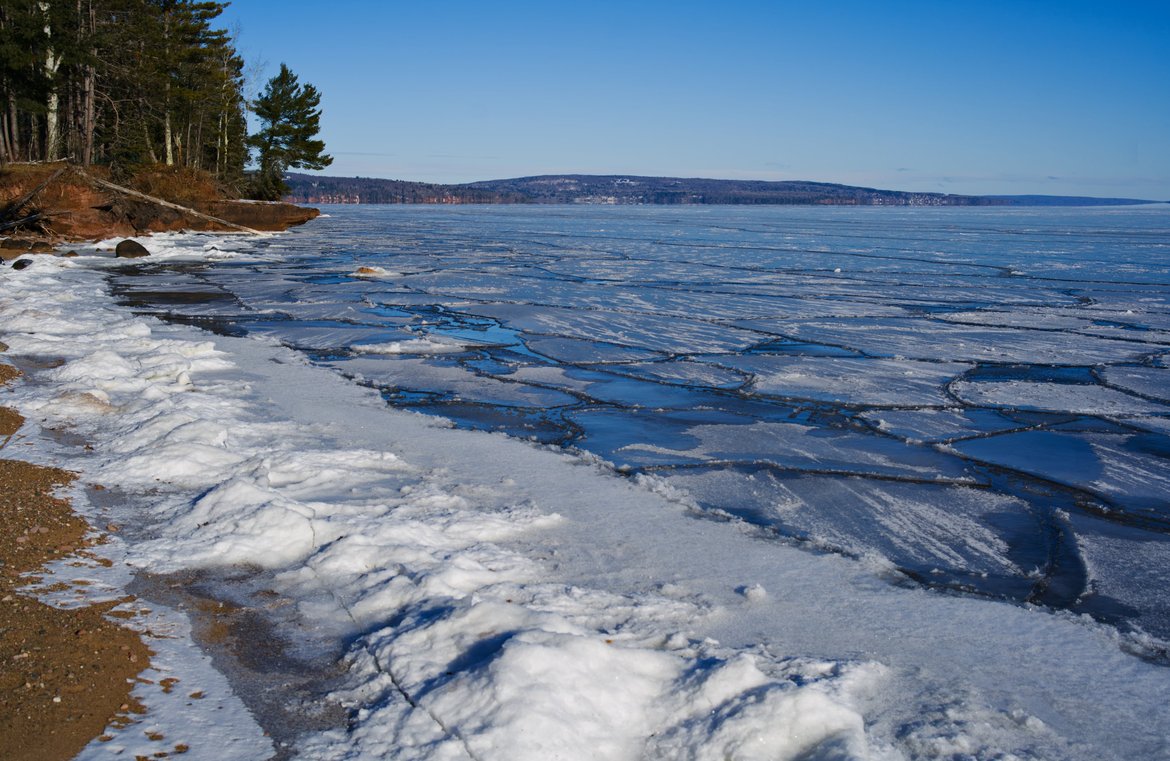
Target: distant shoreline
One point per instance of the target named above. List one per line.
(627, 190)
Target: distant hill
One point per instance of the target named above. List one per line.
(309, 188)
(1068, 201)
(627, 189)
(623, 189)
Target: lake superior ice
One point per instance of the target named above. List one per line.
(500, 600)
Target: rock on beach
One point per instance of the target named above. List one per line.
(130, 249)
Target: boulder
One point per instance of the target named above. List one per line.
(20, 264)
(130, 249)
(40, 247)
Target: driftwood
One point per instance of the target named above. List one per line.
(160, 202)
(23, 220)
(15, 207)
(35, 217)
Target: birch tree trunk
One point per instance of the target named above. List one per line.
(52, 104)
(170, 153)
(88, 88)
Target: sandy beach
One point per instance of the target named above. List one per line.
(68, 673)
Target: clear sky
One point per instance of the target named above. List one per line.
(970, 96)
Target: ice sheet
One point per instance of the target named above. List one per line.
(874, 382)
(1129, 472)
(1023, 307)
(1057, 397)
(938, 340)
(498, 600)
(1152, 382)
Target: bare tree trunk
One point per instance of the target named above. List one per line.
(169, 152)
(72, 116)
(88, 115)
(52, 127)
(52, 105)
(33, 145)
(221, 146)
(149, 144)
(88, 86)
(196, 154)
(115, 113)
(5, 154)
(188, 154)
(14, 130)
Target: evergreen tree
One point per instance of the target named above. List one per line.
(125, 83)
(288, 138)
(24, 85)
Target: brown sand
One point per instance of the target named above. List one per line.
(7, 372)
(65, 675)
(10, 423)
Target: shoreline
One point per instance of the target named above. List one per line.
(58, 204)
(171, 629)
(69, 672)
(78, 668)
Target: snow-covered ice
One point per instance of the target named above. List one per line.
(493, 599)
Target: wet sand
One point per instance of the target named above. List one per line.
(65, 675)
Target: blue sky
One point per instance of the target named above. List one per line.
(960, 97)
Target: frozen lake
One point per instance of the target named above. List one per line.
(979, 397)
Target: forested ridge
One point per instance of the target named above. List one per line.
(307, 188)
(630, 189)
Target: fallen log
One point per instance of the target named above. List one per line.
(19, 222)
(152, 199)
(15, 207)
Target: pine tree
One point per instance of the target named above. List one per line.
(288, 138)
(124, 83)
(23, 84)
